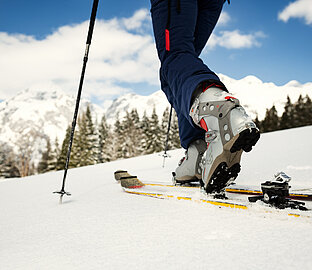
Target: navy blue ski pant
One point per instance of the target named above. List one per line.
(190, 24)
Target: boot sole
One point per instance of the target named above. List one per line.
(226, 166)
(186, 180)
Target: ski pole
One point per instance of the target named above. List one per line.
(62, 192)
(167, 140)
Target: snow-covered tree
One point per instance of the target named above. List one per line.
(61, 159)
(136, 133)
(105, 143)
(287, 119)
(154, 143)
(8, 167)
(90, 144)
(26, 149)
(46, 159)
(144, 127)
(174, 139)
(174, 132)
(119, 149)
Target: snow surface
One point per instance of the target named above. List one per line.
(48, 110)
(256, 96)
(41, 111)
(102, 227)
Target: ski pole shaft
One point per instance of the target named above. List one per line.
(85, 60)
(167, 139)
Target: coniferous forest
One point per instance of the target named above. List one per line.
(97, 142)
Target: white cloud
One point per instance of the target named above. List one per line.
(122, 52)
(139, 20)
(297, 9)
(235, 40)
(117, 56)
(224, 19)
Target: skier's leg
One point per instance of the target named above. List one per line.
(159, 10)
(208, 15)
(192, 139)
(181, 68)
(187, 132)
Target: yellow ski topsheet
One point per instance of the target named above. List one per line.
(161, 195)
(211, 202)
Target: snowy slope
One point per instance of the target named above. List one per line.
(101, 227)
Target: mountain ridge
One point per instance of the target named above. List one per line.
(49, 112)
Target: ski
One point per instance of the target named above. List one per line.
(132, 185)
(245, 190)
(302, 195)
(185, 198)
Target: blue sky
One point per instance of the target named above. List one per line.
(251, 39)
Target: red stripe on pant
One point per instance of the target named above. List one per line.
(167, 40)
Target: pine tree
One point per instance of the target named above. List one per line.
(154, 143)
(61, 159)
(126, 143)
(136, 133)
(271, 120)
(104, 152)
(85, 142)
(258, 123)
(119, 139)
(91, 140)
(25, 153)
(174, 139)
(164, 128)
(76, 151)
(174, 132)
(43, 165)
(308, 111)
(287, 119)
(52, 165)
(145, 127)
(299, 116)
(8, 167)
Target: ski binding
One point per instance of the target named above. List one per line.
(275, 193)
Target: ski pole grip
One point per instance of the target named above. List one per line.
(92, 21)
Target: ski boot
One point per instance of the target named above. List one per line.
(229, 132)
(188, 170)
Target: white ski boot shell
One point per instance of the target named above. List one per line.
(189, 169)
(229, 132)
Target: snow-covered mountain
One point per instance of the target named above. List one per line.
(131, 101)
(49, 111)
(40, 113)
(101, 227)
(255, 95)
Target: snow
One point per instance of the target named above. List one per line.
(46, 110)
(102, 227)
(256, 96)
(142, 104)
(37, 113)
